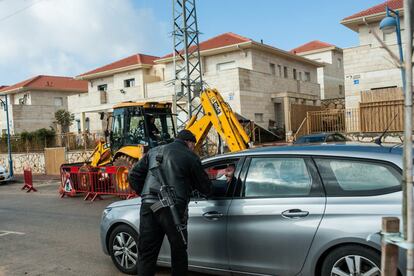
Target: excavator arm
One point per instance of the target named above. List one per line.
(218, 114)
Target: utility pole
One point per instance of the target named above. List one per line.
(8, 139)
(188, 80)
(408, 230)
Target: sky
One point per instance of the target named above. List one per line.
(70, 37)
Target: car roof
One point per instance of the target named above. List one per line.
(389, 152)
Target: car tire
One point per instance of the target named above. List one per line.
(351, 257)
(123, 249)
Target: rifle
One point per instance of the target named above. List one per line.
(166, 195)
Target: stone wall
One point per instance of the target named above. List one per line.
(337, 103)
(36, 160)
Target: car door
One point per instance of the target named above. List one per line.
(272, 223)
(207, 223)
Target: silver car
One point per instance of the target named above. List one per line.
(294, 210)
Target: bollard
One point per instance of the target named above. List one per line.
(389, 256)
(28, 180)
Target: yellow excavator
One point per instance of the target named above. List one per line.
(136, 127)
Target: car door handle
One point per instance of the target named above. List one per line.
(295, 213)
(213, 215)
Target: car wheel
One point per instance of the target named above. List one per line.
(123, 248)
(352, 260)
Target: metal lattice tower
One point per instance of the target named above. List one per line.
(188, 76)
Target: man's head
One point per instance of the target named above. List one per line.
(230, 172)
(188, 137)
(151, 119)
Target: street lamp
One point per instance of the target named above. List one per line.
(6, 108)
(390, 24)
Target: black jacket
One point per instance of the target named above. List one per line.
(182, 169)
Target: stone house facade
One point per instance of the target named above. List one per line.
(331, 75)
(368, 66)
(257, 80)
(32, 103)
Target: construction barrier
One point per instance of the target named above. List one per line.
(28, 180)
(95, 181)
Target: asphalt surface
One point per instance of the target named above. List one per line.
(42, 234)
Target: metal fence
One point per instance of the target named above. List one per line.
(95, 181)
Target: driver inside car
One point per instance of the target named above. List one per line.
(229, 173)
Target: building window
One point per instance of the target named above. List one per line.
(341, 89)
(87, 124)
(58, 101)
(226, 65)
(285, 72)
(258, 117)
(307, 76)
(78, 125)
(23, 100)
(103, 87)
(279, 67)
(300, 76)
(295, 77)
(129, 82)
(272, 69)
(339, 63)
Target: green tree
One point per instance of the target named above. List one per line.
(64, 119)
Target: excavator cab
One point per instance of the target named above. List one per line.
(145, 125)
(136, 127)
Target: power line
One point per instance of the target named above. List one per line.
(19, 11)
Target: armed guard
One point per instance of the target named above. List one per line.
(165, 178)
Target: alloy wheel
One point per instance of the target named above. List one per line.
(125, 250)
(355, 265)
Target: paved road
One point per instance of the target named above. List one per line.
(41, 234)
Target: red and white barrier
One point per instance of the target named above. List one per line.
(95, 181)
(28, 180)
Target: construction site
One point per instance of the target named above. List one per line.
(307, 151)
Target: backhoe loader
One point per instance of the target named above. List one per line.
(137, 127)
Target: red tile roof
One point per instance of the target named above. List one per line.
(48, 83)
(128, 61)
(393, 4)
(222, 40)
(311, 46)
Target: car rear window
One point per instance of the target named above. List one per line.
(310, 139)
(343, 177)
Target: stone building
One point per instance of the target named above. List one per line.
(258, 81)
(368, 66)
(331, 75)
(33, 102)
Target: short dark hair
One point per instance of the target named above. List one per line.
(186, 135)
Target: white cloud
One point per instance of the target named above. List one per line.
(69, 37)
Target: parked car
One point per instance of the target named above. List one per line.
(293, 210)
(4, 174)
(322, 137)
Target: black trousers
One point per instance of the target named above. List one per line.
(153, 227)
